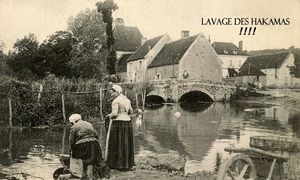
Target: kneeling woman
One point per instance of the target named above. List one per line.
(120, 153)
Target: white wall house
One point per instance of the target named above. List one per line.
(232, 57)
(137, 63)
(276, 66)
(192, 54)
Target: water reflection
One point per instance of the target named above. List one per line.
(198, 133)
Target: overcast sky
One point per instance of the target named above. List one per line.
(156, 17)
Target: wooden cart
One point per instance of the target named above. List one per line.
(250, 163)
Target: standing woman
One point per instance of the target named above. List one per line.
(120, 144)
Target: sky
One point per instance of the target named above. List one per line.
(156, 17)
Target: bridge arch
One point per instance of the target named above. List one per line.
(195, 90)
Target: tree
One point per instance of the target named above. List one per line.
(106, 8)
(88, 56)
(56, 53)
(24, 61)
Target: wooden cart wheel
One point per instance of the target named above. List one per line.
(237, 167)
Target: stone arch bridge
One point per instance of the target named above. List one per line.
(173, 90)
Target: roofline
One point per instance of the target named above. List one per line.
(285, 59)
(162, 65)
(183, 53)
(269, 54)
(192, 44)
(161, 36)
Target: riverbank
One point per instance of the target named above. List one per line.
(289, 98)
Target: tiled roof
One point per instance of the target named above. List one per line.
(172, 52)
(250, 70)
(127, 38)
(122, 62)
(266, 61)
(146, 47)
(227, 48)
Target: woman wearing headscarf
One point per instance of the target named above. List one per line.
(120, 153)
(84, 145)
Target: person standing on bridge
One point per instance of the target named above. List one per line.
(120, 150)
(185, 75)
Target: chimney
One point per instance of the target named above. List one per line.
(143, 40)
(185, 34)
(241, 45)
(119, 21)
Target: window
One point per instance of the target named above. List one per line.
(157, 77)
(225, 51)
(234, 52)
(130, 67)
(140, 66)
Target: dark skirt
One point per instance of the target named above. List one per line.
(90, 153)
(120, 146)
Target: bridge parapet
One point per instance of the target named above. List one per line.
(174, 89)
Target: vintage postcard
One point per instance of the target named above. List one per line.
(150, 89)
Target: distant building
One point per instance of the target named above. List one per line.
(122, 66)
(142, 57)
(232, 57)
(127, 39)
(251, 74)
(193, 54)
(276, 66)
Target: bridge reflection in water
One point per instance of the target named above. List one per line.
(203, 130)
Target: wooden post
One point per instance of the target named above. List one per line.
(63, 106)
(40, 93)
(144, 99)
(137, 101)
(63, 141)
(271, 169)
(101, 101)
(10, 112)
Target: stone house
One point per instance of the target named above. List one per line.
(137, 63)
(192, 54)
(251, 74)
(127, 39)
(276, 66)
(122, 66)
(232, 57)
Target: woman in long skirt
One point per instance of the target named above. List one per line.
(120, 144)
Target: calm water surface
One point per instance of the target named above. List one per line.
(197, 132)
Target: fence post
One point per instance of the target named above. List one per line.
(100, 99)
(40, 93)
(137, 101)
(144, 99)
(63, 106)
(10, 112)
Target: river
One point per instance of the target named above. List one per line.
(199, 132)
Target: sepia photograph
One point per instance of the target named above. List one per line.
(150, 89)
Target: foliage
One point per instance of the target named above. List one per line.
(28, 110)
(56, 51)
(106, 8)
(4, 68)
(25, 111)
(88, 56)
(24, 60)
